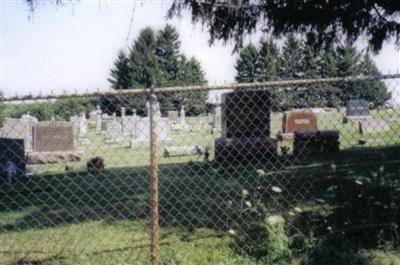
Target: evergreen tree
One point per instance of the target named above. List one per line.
(310, 63)
(144, 61)
(120, 75)
(156, 60)
(348, 62)
(292, 58)
(372, 90)
(328, 64)
(167, 51)
(191, 73)
(247, 65)
(268, 62)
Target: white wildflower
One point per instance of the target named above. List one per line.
(231, 232)
(261, 173)
(275, 219)
(358, 182)
(245, 193)
(329, 228)
(298, 209)
(276, 189)
(248, 204)
(291, 213)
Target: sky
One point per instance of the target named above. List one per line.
(72, 47)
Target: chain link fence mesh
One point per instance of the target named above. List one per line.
(310, 162)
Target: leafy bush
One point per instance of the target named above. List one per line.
(260, 233)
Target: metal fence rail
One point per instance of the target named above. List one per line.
(187, 175)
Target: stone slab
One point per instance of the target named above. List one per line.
(53, 157)
(242, 150)
(373, 126)
(188, 150)
(315, 142)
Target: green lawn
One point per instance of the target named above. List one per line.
(81, 218)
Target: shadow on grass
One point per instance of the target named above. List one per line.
(192, 195)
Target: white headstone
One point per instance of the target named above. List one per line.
(182, 124)
(217, 119)
(98, 118)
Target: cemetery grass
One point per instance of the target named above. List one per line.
(80, 218)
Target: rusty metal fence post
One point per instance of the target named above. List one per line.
(154, 120)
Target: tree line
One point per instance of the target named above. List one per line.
(298, 60)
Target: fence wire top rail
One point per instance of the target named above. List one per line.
(254, 85)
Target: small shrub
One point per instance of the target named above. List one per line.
(262, 237)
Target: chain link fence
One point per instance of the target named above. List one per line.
(261, 173)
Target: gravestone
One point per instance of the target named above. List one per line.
(83, 130)
(12, 158)
(182, 119)
(298, 121)
(315, 142)
(187, 150)
(217, 120)
(98, 118)
(141, 134)
(356, 109)
(373, 126)
(173, 116)
(21, 128)
(181, 123)
(246, 114)
(245, 128)
(114, 131)
(53, 137)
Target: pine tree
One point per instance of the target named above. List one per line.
(268, 62)
(167, 51)
(193, 74)
(348, 62)
(156, 60)
(372, 90)
(247, 65)
(310, 63)
(120, 75)
(144, 61)
(292, 58)
(329, 64)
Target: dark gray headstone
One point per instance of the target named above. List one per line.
(12, 158)
(357, 107)
(246, 114)
(245, 128)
